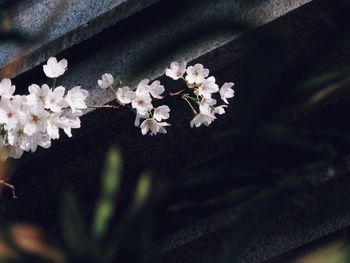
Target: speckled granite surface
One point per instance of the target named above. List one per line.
(80, 20)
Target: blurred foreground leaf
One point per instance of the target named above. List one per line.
(109, 190)
(336, 252)
(73, 224)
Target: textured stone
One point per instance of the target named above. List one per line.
(74, 22)
(203, 241)
(79, 21)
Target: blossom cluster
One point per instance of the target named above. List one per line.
(149, 118)
(201, 93)
(35, 119)
(32, 120)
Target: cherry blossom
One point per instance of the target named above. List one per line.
(202, 119)
(76, 98)
(196, 74)
(153, 126)
(156, 89)
(161, 113)
(6, 88)
(54, 69)
(219, 109)
(106, 81)
(55, 99)
(33, 120)
(142, 104)
(142, 88)
(38, 95)
(226, 91)
(176, 70)
(139, 117)
(29, 121)
(208, 87)
(54, 123)
(202, 93)
(73, 121)
(125, 95)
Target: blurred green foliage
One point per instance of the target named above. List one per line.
(80, 244)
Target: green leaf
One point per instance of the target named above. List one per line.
(324, 78)
(109, 189)
(142, 193)
(73, 224)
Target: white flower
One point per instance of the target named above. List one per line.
(176, 71)
(196, 74)
(219, 109)
(208, 87)
(152, 125)
(73, 121)
(143, 87)
(10, 112)
(106, 81)
(142, 104)
(226, 91)
(38, 139)
(54, 69)
(206, 106)
(161, 113)
(139, 117)
(76, 98)
(125, 95)
(17, 138)
(35, 121)
(6, 88)
(54, 99)
(56, 122)
(37, 96)
(156, 89)
(27, 122)
(205, 119)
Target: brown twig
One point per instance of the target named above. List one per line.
(178, 93)
(4, 183)
(103, 106)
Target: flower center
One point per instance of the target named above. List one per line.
(35, 119)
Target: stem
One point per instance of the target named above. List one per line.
(103, 106)
(54, 83)
(111, 89)
(178, 93)
(191, 98)
(9, 186)
(129, 107)
(194, 111)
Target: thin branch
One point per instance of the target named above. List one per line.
(178, 93)
(4, 183)
(194, 111)
(103, 106)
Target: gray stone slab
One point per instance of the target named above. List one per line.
(203, 241)
(81, 20)
(74, 22)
